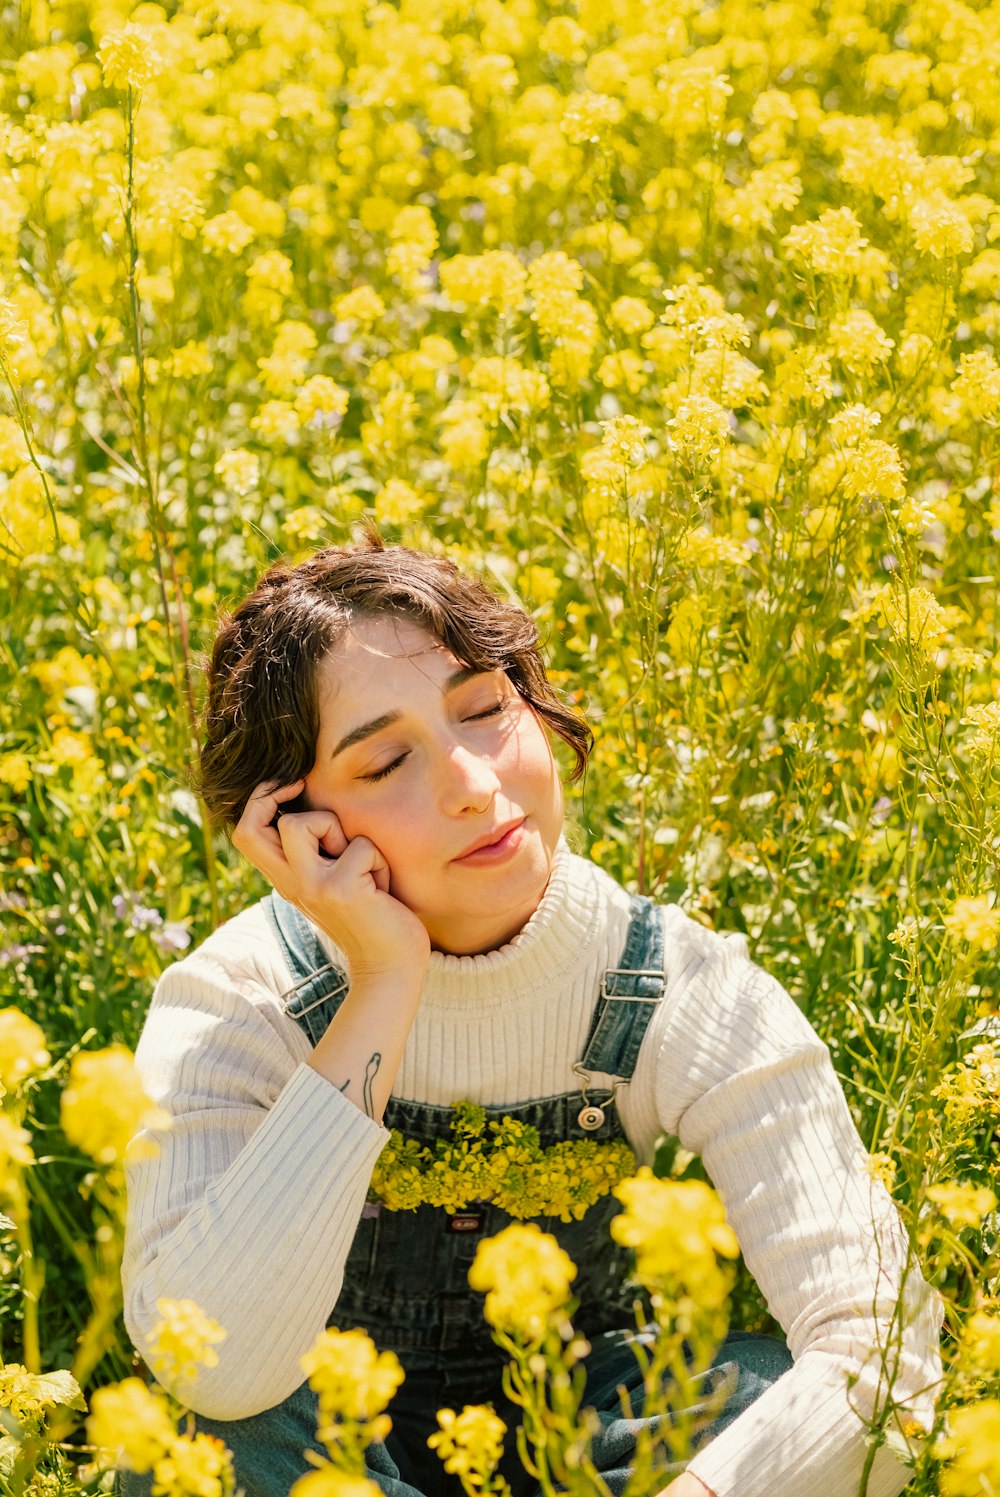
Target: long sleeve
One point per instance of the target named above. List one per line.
(744, 1081)
(258, 1182)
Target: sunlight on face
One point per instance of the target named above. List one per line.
(448, 771)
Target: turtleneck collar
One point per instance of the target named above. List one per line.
(556, 941)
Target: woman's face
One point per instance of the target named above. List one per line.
(448, 771)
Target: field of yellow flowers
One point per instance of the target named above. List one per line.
(678, 319)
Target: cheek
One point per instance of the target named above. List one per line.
(393, 824)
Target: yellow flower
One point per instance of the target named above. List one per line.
(859, 342)
(182, 1340)
(588, 116)
(397, 503)
(971, 1448)
(271, 271)
(104, 1105)
(132, 1422)
(631, 314)
(552, 275)
(363, 304)
(940, 228)
(328, 1481)
(981, 277)
(22, 1048)
(16, 772)
(351, 1378)
(699, 429)
(199, 1466)
(495, 280)
(882, 1167)
(913, 615)
(962, 1204)
(974, 920)
(980, 1342)
(321, 397)
(853, 425)
(262, 214)
(13, 448)
(678, 1229)
(238, 471)
(874, 469)
(700, 548)
(276, 421)
(470, 1443)
(978, 385)
(21, 1394)
(831, 246)
(449, 108)
(525, 1276)
(623, 438)
(184, 363)
(564, 38)
(226, 233)
(129, 58)
(985, 718)
(490, 76)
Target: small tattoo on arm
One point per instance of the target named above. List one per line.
(343, 1089)
(370, 1073)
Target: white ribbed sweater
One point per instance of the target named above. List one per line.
(251, 1203)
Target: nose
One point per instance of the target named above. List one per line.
(469, 781)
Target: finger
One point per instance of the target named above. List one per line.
(273, 794)
(364, 860)
(301, 831)
(255, 831)
(333, 840)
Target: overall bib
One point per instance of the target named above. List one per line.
(406, 1277)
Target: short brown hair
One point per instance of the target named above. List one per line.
(261, 718)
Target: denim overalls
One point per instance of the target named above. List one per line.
(406, 1278)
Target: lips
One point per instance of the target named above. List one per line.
(490, 839)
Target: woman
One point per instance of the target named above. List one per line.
(379, 736)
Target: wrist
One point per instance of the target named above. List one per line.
(371, 984)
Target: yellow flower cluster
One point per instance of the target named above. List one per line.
(330, 1481)
(30, 1397)
(352, 1380)
(526, 1277)
(469, 1444)
(980, 1343)
(678, 1230)
(971, 1091)
(22, 1049)
(501, 1162)
(132, 1424)
(962, 1203)
(971, 1449)
(183, 1339)
(103, 1104)
(974, 920)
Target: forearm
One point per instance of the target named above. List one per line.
(274, 1228)
(362, 1049)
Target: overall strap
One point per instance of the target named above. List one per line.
(629, 995)
(320, 987)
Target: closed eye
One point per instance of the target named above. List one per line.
(387, 769)
(491, 712)
(380, 774)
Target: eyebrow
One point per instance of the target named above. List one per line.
(368, 729)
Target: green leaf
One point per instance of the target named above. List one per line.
(59, 1388)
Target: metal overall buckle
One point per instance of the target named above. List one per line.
(592, 1115)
